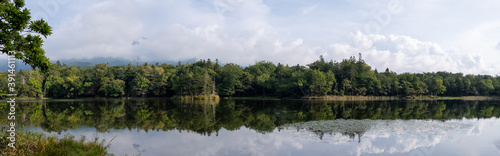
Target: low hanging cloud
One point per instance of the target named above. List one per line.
(103, 30)
(242, 32)
(127, 32)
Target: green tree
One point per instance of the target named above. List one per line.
(112, 87)
(365, 81)
(162, 79)
(229, 81)
(346, 87)
(485, 86)
(54, 81)
(318, 83)
(100, 71)
(3, 85)
(321, 83)
(437, 86)
(386, 82)
(73, 81)
(18, 33)
(321, 65)
(30, 83)
(292, 81)
(263, 73)
(407, 88)
(397, 87)
(497, 85)
(141, 86)
(420, 87)
(330, 81)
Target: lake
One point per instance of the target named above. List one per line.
(272, 127)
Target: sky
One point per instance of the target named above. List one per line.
(402, 35)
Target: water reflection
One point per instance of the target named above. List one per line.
(283, 127)
(402, 137)
(208, 118)
(497, 144)
(384, 136)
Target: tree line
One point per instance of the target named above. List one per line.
(349, 77)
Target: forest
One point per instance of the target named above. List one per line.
(321, 78)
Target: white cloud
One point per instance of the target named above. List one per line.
(423, 37)
(309, 9)
(480, 40)
(405, 54)
(111, 29)
(103, 30)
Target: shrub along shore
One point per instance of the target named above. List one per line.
(37, 143)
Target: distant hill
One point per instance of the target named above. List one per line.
(90, 62)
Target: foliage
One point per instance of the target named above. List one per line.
(19, 34)
(351, 77)
(36, 143)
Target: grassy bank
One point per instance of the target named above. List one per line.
(474, 98)
(253, 98)
(24, 98)
(368, 98)
(353, 98)
(211, 97)
(36, 143)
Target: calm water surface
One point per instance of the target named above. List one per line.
(274, 127)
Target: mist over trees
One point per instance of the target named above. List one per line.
(349, 77)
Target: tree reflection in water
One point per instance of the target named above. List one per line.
(207, 118)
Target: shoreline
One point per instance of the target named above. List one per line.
(328, 98)
(407, 98)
